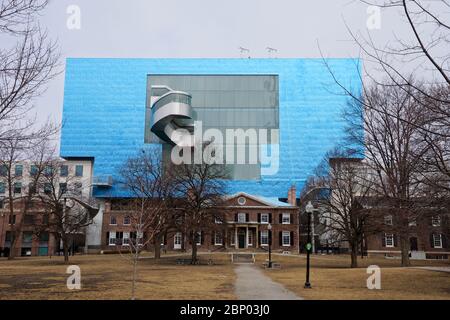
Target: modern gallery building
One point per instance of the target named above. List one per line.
(275, 119)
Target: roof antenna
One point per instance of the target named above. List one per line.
(244, 51)
(271, 51)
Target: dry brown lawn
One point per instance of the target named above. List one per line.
(106, 277)
(331, 278)
(109, 277)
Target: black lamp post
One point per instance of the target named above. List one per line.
(309, 210)
(269, 227)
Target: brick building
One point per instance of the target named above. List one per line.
(29, 242)
(245, 228)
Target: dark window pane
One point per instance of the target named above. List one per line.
(2, 187)
(47, 188)
(64, 171)
(33, 170)
(18, 170)
(3, 170)
(63, 188)
(17, 187)
(28, 220)
(79, 171)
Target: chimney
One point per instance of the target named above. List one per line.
(292, 196)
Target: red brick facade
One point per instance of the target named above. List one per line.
(246, 227)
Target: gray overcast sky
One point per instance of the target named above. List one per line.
(205, 28)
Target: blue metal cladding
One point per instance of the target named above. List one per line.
(105, 101)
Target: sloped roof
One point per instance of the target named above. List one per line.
(269, 201)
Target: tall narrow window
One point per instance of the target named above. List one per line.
(218, 240)
(126, 238)
(286, 238)
(112, 238)
(79, 170)
(2, 187)
(64, 170)
(3, 170)
(18, 188)
(33, 170)
(389, 238)
(113, 221)
(177, 240)
(63, 188)
(18, 170)
(437, 241)
(264, 238)
(250, 238)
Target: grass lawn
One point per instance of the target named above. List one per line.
(331, 278)
(109, 277)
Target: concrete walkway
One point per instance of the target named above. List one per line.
(440, 269)
(253, 284)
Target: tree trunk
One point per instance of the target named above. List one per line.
(404, 247)
(66, 251)
(133, 283)
(157, 244)
(194, 252)
(12, 251)
(354, 255)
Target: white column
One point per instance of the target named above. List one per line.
(236, 245)
(246, 237)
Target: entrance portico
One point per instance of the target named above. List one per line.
(245, 236)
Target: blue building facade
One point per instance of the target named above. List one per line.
(105, 102)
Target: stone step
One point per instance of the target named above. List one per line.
(243, 258)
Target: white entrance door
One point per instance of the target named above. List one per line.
(177, 240)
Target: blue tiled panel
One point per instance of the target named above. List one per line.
(105, 100)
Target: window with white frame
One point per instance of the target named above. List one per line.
(126, 220)
(140, 237)
(242, 217)
(250, 239)
(177, 240)
(126, 238)
(286, 218)
(286, 237)
(112, 238)
(264, 238)
(389, 239)
(218, 239)
(198, 238)
(264, 218)
(436, 221)
(113, 220)
(437, 241)
(388, 220)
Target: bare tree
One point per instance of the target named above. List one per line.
(393, 149)
(201, 192)
(67, 210)
(11, 155)
(345, 211)
(25, 69)
(151, 190)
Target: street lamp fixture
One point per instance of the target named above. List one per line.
(309, 210)
(269, 227)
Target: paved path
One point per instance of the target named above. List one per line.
(441, 269)
(253, 284)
